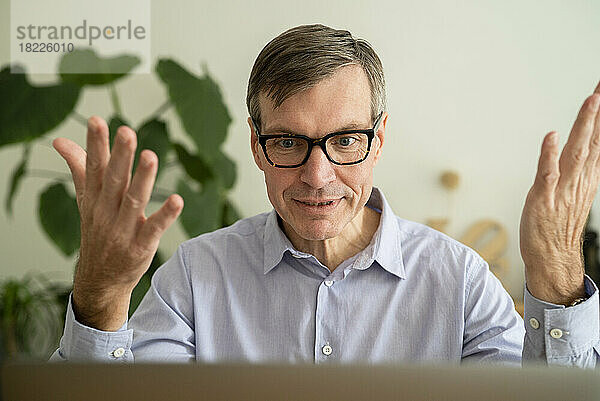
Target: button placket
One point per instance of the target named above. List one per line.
(534, 323)
(324, 321)
(119, 352)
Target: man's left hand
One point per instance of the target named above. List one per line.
(557, 207)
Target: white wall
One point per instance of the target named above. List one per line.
(472, 86)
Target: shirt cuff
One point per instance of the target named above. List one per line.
(83, 343)
(563, 332)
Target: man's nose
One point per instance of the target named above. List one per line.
(318, 170)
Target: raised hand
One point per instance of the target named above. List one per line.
(557, 207)
(117, 241)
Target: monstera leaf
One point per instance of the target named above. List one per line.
(230, 214)
(59, 216)
(28, 112)
(15, 180)
(199, 104)
(153, 135)
(113, 124)
(222, 167)
(84, 67)
(144, 284)
(193, 165)
(203, 210)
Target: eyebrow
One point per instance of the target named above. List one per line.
(284, 130)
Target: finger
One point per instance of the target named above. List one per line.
(75, 157)
(118, 172)
(98, 152)
(548, 172)
(595, 143)
(593, 168)
(135, 200)
(154, 227)
(576, 151)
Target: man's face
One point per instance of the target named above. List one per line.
(337, 103)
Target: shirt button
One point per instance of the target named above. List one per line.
(327, 350)
(119, 352)
(533, 322)
(556, 333)
(328, 283)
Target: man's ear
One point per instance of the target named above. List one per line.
(380, 135)
(255, 146)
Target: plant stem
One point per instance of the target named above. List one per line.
(115, 100)
(163, 108)
(79, 118)
(45, 142)
(170, 163)
(158, 194)
(158, 198)
(38, 173)
(10, 342)
(162, 189)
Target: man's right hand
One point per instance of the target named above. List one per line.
(118, 242)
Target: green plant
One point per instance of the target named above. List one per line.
(31, 316)
(29, 112)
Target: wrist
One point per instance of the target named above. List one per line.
(557, 280)
(557, 293)
(102, 311)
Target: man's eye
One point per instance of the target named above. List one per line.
(287, 143)
(346, 141)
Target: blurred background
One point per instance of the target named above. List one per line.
(473, 86)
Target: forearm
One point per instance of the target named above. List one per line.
(548, 280)
(161, 329)
(103, 310)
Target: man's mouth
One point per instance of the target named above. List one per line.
(316, 203)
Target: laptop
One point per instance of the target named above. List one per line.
(69, 381)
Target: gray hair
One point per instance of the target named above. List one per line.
(301, 57)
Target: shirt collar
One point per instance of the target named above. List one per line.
(384, 248)
(276, 243)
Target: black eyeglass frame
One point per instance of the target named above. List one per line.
(262, 139)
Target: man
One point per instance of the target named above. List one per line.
(331, 274)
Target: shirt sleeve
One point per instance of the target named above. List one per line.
(160, 330)
(560, 335)
(83, 343)
(493, 330)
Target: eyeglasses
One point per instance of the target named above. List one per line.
(342, 148)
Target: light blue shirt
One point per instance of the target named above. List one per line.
(244, 294)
